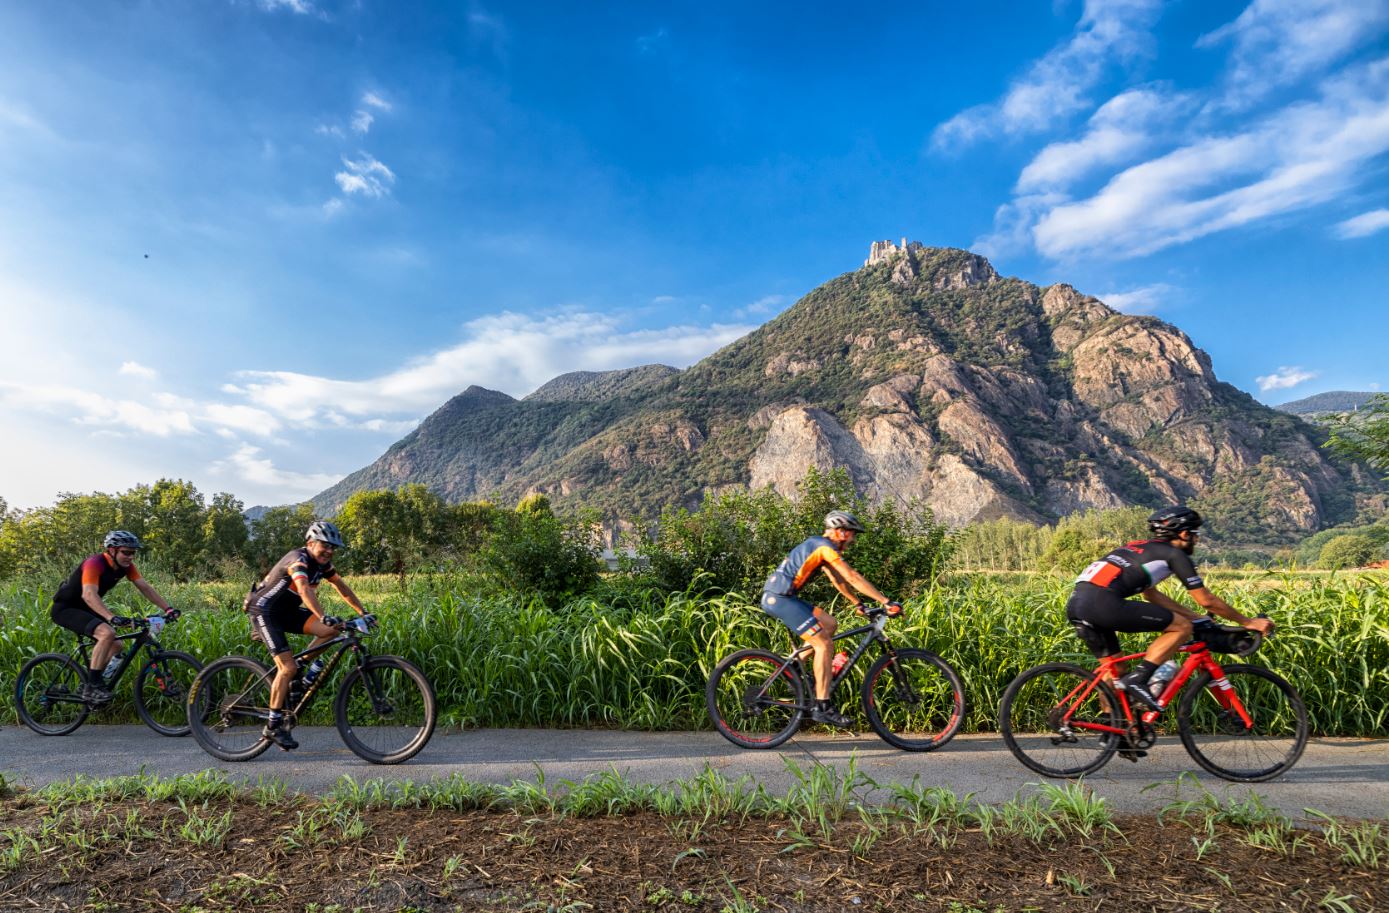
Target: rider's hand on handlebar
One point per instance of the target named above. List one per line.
(893, 608)
(371, 621)
(121, 621)
(332, 621)
(1261, 623)
(172, 614)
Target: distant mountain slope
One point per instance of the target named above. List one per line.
(926, 375)
(1331, 401)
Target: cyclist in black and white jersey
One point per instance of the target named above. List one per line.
(1101, 603)
(286, 602)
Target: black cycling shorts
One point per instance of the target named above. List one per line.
(1107, 613)
(272, 624)
(76, 620)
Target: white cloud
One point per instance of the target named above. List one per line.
(135, 369)
(1143, 300)
(1059, 83)
(302, 7)
(372, 100)
(365, 175)
(247, 464)
(1284, 378)
(1363, 225)
(509, 352)
(762, 307)
(1303, 155)
(1283, 42)
(362, 121)
(332, 130)
(650, 43)
(94, 409)
(1116, 133)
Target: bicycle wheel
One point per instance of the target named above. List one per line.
(48, 694)
(1038, 714)
(914, 700)
(161, 691)
(228, 705)
(385, 710)
(1216, 737)
(751, 705)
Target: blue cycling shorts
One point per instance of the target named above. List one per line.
(796, 614)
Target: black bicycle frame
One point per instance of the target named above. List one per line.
(127, 656)
(873, 634)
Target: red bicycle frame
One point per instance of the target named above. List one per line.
(1111, 667)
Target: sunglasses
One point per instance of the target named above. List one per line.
(126, 552)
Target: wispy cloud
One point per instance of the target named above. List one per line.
(762, 307)
(302, 7)
(652, 41)
(362, 121)
(1060, 83)
(365, 176)
(1283, 42)
(487, 30)
(135, 369)
(511, 352)
(248, 464)
(1363, 225)
(1301, 156)
(373, 100)
(1143, 300)
(1284, 378)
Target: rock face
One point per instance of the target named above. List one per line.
(928, 378)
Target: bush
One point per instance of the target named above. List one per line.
(533, 552)
(734, 540)
(1346, 551)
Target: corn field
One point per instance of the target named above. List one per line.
(640, 659)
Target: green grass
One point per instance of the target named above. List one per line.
(640, 660)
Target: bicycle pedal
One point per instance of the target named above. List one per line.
(1132, 754)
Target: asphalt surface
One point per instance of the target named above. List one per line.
(1347, 777)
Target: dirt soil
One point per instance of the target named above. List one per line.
(298, 856)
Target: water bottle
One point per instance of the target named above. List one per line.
(840, 659)
(109, 672)
(312, 672)
(1161, 676)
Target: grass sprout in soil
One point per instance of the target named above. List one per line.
(199, 843)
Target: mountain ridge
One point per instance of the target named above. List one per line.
(925, 374)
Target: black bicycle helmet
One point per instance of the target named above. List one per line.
(323, 531)
(1170, 522)
(842, 519)
(119, 538)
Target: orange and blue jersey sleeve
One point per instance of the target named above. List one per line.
(92, 569)
(821, 556)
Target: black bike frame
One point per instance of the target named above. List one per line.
(345, 643)
(127, 656)
(873, 634)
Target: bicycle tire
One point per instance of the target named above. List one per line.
(919, 704)
(228, 704)
(164, 705)
(1216, 738)
(1028, 722)
(47, 685)
(397, 731)
(750, 709)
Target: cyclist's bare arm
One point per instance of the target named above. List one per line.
(858, 582)
(309, 596)
(1158, 598)
(92, 598)
(1213, 603)
(151, 594)
(346, 593)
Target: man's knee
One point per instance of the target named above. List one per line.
(286, 663)
(104, 634)
(1180, 624)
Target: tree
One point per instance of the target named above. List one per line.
(173, 522)
(532, 550)
(1347, 551)
(392, 531)
(224, 534)
(1364, 434)
(277, 531)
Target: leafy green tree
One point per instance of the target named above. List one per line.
(392, 531)
(1347, 551)
(533, 551)
(173, 525)
(1364, 434)
(277, 531)
(224, 537)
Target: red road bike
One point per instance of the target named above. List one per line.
(1239, 722)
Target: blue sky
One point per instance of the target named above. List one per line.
(250, 243)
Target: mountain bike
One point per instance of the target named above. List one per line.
(384, 708)
(48, 693)
(1239, 722)
(913, 699)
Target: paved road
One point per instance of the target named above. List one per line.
(1338, 776)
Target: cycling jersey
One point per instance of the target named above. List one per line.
(795, 570)
(275, 591)
(99, 569)
(1135, 566)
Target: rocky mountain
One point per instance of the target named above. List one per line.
(927, 376)
(1331, 402)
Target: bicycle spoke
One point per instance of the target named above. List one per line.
(914, 700)
(1217, 737)
(385, 712)
(750, 703)
(1043, 716)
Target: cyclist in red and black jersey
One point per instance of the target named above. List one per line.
(814, 624)
(1101, 605)
(286, 601)
(79, 607)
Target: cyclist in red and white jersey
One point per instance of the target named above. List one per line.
(1101, 603)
